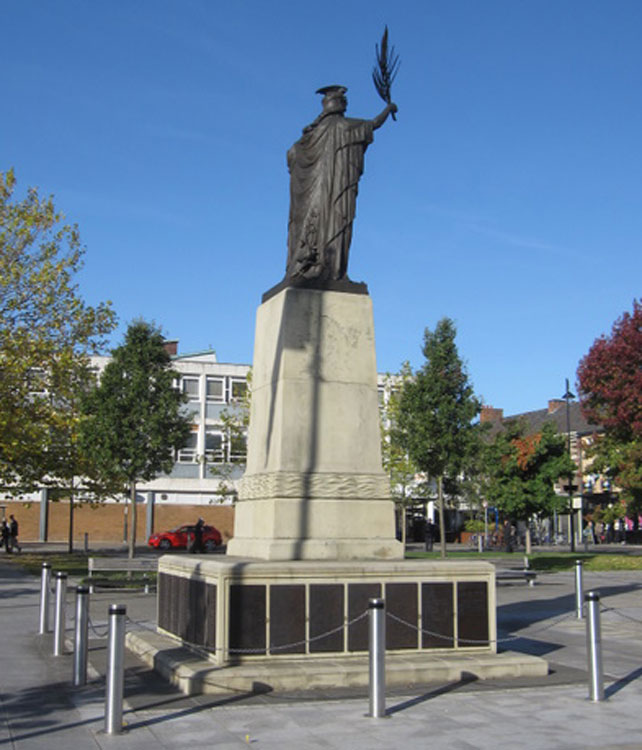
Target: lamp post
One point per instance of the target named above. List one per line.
(568, 395)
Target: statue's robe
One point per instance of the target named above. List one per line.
(325, 166)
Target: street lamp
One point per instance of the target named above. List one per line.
(568, 395)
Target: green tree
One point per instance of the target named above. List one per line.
(47, 333)
(436, 414)
(522, 470)
(395, 459)
(610, 379)
(69, 468)
(134, 419)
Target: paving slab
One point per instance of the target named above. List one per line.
(40, 709)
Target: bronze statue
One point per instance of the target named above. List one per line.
(325, 165)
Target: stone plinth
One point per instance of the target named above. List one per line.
(237, 610)
(314, 487)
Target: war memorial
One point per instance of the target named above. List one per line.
(314, 537)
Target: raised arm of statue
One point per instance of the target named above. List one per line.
(383, 116)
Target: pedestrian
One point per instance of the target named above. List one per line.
(6, 536)
(589, 535)
(197, 546)
(429, 535)
(13, 533)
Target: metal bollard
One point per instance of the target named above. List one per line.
(81, 640)
(376, 611)
(115, 670)
(579, 590)
(594, 647)
(59, 613)
(45, 585)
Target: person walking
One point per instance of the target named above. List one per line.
(13, 533)
(197, 546)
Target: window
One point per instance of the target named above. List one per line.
(238, 448)
(215, 390)
(190, 387)
(214, 449)
(238, 388)
(187, 454)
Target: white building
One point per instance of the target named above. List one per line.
(211, 456)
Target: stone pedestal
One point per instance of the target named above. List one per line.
(238, 610)
(314, 488)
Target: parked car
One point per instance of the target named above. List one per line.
(178, 538)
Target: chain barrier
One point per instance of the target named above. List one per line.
(486, 642)
(621, 614)
(138, 625)
(94, 629)
(338, 629)
(141, 626)
(286, 646)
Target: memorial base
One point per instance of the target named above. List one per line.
(232, 625)
(237, 610)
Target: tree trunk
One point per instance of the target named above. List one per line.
(403, 526)
(528, 539)
(70, 544)
(440, 505)
(132, 520)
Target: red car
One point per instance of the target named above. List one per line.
(178, 538)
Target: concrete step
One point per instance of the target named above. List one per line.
(194, 674)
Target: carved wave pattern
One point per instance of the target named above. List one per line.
(331, 486)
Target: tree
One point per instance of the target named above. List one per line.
(69, 468)
(522, 470)
(395, 459)
(436, 413)
(47, 333)
(134, 420)
(610, 380)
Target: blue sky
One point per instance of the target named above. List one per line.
(506, 196)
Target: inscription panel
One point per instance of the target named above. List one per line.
(359, 595)
(326, 613)
(437, 615)
(287, 618)
(401, 601)
(247, 617)
(472, 613)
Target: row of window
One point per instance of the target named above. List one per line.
(219, 448)
(218, 390)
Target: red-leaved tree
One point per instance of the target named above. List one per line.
(610, 380)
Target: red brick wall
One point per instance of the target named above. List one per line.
(105, 522)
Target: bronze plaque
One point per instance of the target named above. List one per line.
(472, 613)
(359, 595)
(287, 619)
(247, 618)
(437, 615)
(401, 601)
(326, 614)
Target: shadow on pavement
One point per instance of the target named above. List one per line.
(466, 679)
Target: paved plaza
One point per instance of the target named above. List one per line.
(40, 710)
